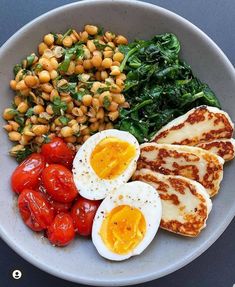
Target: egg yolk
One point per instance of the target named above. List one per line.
(123, 229)
(111, 157)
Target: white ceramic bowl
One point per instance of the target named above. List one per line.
(79, 262)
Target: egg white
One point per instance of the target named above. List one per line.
(89, 184)
(138, 195)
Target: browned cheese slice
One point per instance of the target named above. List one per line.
(191, 162)
(201, 124)
(185, 202)
(225, 148)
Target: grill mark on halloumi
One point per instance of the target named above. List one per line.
(191, 162)
(198, 125)
(225, 148)
(185, 203)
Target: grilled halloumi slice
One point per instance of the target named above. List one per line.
(225, 148)
(185, 202)
(191, 162)
(200, 124)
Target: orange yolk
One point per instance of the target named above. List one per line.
(123, 229)
(111, 157)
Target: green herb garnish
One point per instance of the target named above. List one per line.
(58, 106)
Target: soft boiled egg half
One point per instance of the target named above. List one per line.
(127, 221)
(104, 162)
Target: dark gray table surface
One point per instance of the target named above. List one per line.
(216, 267)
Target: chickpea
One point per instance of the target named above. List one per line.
(54, 94)
(100, 114)
(70, 106)
(113, 107)
(71, 139)
(91, 46)
(101, 127)
(44, 76)
(104, 75)
(120, 83)
(113, 115)
(47, 88)
(98, 76)
(46, 64)
(107, 63)
(87, 54)
(111, 45)
(53, 74)
(74, 33)
(45, 96)
(72, 122)
(39, 129)
(27, 131)
(13, 84)
(84, 36)
(19, 75)
(85, 131)
(38, 109)
(49, 110)
(121, 40)
(118, 56)
(14, 136)
(71, 68)
(67, 41)
(8, 114)
(48, 39)
(74, 38)
(23, 107)
(95, 103)
(109, 126)
(115, 89)
(84, 109)
(21, 85)
(108, 54)
(122, 76)
(34, 119)
(97, 53)
(79, 69)
(96, 86)
(109, 36)
(25, 139)
(75, 128)
(66, 132)
(48, 53)
(31, 81)
(115, 71)
(8, 128)
(25, 92)
(91, 30)
(15, 149)
(118, 98)
(96, 61)
(103, 95)
(17, 100)
(86, 100)
(115, 63)
(77, 112)
(82, 120)
(41, 48)
(94, 126)
(86, 137)
(54, 63)
(87, 64)
(39, 139)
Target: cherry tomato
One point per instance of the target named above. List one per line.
(35, 210)
(83, 212)
(27, 174)
(56, 206)
(61, 231)
(59, 184)
(57, 151)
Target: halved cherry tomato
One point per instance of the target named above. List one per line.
(56, 206)
(61, 231)
(83, 212)
(59, 184)
(27, 174)
(35, 210)
(57, 151)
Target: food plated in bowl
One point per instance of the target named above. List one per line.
(81, 245)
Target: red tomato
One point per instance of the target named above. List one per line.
(27, 174)
(56, 206)
(35, 210)
(83, 212)
(61, 231)
(57, 151)
(59, 184)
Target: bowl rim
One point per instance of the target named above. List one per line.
(211, 239)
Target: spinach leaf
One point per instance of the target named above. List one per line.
(76, 50)
(159, 86)
(58, 106)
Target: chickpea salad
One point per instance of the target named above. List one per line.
(80, 83)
